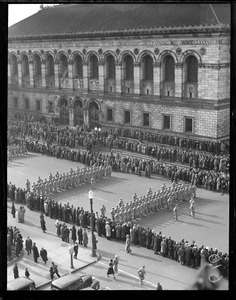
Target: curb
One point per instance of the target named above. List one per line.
(75, 270)
(11, 262)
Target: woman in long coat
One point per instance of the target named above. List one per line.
(13, 210)
(108, 231)
(85, 238)
(110, 269)
(73, 234)
(43, 224)
(127, 244)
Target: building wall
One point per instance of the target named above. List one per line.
(213, 81)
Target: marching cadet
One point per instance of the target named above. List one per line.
(27, 185)
(112, 213)
(103, 210)
(192, 208)
(175, 211)
(149, 192)
(134, 196)
(120, 203)
(39, 180)
(163, 187)
(54, 185)
(109, 171)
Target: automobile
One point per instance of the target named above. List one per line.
(74, 282)
(21, 284)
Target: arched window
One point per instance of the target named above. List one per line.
(93, 67)
(128, 68)
(25, 65)
(78, 69)
(14, 66)
(169, 69)
(37, 65)
(148, 68)
(111, 69)
(192, 69)
(63, 66)
(49, 66)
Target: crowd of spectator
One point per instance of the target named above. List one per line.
(214, 157)
(14, 242)
(213, 180)
(188, 254)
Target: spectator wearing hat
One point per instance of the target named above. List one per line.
(115, 263)
(127, 244)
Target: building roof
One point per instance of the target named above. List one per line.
(94, 18)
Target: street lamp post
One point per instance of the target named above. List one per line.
(97, 130)
(92, 223)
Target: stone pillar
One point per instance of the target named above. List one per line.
(85, 75)
(178, 79)
(71, 113)
(56, 74)
(19, 72)
(31, 73)
(156, 79)
(9, 72)
(101, 75)
(137, 78)
(70, 74)
(118, 77)
(43, 69)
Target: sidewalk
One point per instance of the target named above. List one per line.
(58, 252)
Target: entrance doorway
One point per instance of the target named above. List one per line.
(93, 115)
(64, 112)
(78, 113)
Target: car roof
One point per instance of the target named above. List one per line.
(19, 283)
(67, 279)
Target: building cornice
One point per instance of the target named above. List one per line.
(219, 28)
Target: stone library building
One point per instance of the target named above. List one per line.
(156, 68)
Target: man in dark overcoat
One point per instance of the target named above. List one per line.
(35, 252)
(43, 254)
(28, 245)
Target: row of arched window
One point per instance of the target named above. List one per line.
(127, 69)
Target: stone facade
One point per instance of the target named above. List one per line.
(200, 101)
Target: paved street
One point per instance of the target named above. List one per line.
(210, 227)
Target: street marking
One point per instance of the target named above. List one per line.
(131, 275)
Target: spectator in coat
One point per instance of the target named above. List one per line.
(85, 238)
(127, 244)
(80, 235)
(43, 254)
(15, 271)
(27, 273)
(35, 252)
(108, 231)
(28, 245)
(73, 234)
(13, 210)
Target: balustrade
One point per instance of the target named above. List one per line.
(190, 90)
(168, 89)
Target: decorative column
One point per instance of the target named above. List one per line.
(136, 78)
(156, 78)
(9, 71)
(101, 75)
(56, 73)
(118, 77)
(71, 112)
(178, 79)
(19, 62)
(85, 75)
(43, 69)
(31, 73)
(70, 73)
